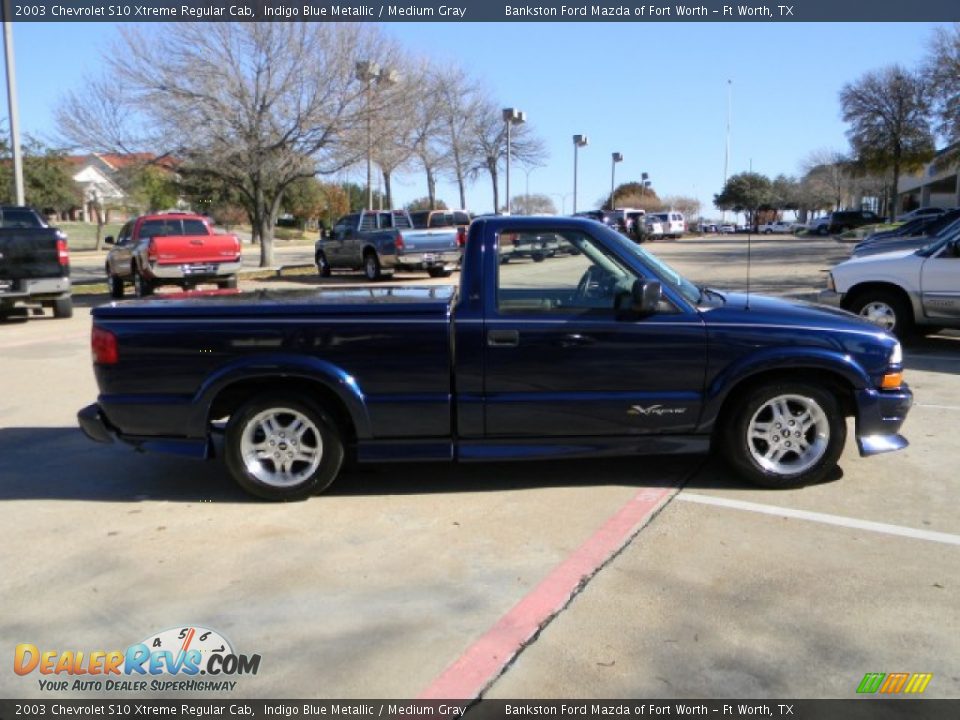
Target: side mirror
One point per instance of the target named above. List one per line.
(646, 296)
(108, 240)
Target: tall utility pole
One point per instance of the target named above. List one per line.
(511, 116)
(579, 141)
(12, 103)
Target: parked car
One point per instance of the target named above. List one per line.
(609, 352)
(945, 225)
(780, 226)
(727, 229)
(381, 242)
(901, 291)
(179, 249)
(925, 212)
(606, 217)
(843, 220)
(674, 226)
(34, 263)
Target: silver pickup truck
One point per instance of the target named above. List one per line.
(381, 242)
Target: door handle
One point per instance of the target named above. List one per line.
(503, 338)
(575, 340)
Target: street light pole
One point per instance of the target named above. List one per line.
(14, 112)
(367, 72)
(511, 116)
(579, 141)
(616, 157)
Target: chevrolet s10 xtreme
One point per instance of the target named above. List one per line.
(600, 350)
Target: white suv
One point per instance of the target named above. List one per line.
(674, 226)
(901, 290)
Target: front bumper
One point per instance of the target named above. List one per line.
(831, 298)
(880, 413)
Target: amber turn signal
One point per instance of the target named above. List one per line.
(892, 381)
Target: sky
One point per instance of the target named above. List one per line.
(657, 93)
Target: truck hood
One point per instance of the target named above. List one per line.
(763, 310)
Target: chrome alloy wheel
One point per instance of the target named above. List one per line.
(879, 313)
(281, 447)
(788, 434)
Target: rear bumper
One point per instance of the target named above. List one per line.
(97, 427)
(189, 272)
(446, 259)
(36, 288)
(880, 413)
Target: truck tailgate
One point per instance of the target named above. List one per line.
(180, 249)
(27, 253)
(438, 240)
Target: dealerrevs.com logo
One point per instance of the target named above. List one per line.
(184, 653)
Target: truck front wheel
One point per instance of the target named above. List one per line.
(279, 447)
(885, 309)
(785, 434)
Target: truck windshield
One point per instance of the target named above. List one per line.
(666, 273)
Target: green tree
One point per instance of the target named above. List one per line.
(747, 193)
(151, 187)
(305, 200)
(424, 203)
(942, 73)
(888, 112)
(47, 181)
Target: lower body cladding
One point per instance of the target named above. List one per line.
(291, 449)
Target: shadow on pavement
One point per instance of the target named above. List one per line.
(62, 464)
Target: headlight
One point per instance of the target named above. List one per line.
(896, 357)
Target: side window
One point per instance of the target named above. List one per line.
(368, 222)
(559, 272)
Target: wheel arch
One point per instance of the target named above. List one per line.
(334, 390)
(863, 288)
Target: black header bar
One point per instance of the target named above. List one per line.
(646, 11)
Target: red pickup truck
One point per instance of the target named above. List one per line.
(171, 249)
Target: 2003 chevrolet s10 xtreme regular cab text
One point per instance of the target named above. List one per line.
(600, 350)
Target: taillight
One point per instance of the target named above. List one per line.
(103, 347)
(152, 254)
(63, 252)
(461, 237)
(399, 241)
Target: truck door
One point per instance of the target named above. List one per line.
(940, 284)
(560, 358)
(334, 247)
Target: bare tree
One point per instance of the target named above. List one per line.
(827, 180)
(533, 204)
(429, 127)
(460, 103)
(490, 145)
(254, 106)
(889, 127)
(942, 72)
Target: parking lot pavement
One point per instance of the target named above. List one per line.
(401, 575)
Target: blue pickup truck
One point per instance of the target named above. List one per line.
(600, 350)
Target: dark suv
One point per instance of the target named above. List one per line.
(843, 220)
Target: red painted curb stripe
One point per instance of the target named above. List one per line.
(483, 661)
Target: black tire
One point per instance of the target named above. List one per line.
(257, 473)
(142, 287)
(323, 267)
(813, 451)
(439, 272)
(229, 284)
(116, 286)
(63, 307)
(874, 305)
(371, 266)
(537, 256)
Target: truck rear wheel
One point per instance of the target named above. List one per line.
(785, 434)
(439, 272)
(63, 307)
(229, 284)
(371, 266)
(279, 447)
(141, 286)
